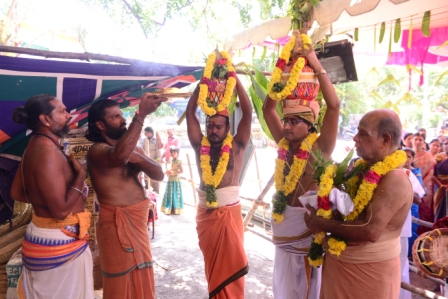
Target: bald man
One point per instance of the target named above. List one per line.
(369, 267)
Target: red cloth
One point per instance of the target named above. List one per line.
(125, 253)
(221, 238)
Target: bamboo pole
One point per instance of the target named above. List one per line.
(146, 178)
(193, 185)
(436, 280)
(258, 172)
(421, 292)
(257, 202)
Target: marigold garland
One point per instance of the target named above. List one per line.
(285, 186)
(212, 180)
(203, 86)
(361, 198)
(276, 90)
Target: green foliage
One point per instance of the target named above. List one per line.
(151, 16)
(300, 10)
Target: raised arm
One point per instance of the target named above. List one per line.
(327, 139)
(272, 119)
(119, 155)
(243, 133)
(193, 126)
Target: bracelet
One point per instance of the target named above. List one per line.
(322, 71)
(74, 188)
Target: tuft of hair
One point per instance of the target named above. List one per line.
(390, 126)
(34, 107)
(96, 113)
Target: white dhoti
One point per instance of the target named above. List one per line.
(293, 277)
(73, 279)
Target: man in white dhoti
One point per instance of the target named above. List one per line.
(296, 136)
(55, 251)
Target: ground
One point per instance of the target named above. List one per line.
(179, 265)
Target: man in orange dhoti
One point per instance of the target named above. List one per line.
(369, 267)
(219, 220)
(114, 163)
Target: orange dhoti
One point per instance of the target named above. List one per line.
(125, 253)
(365, 271)
(221, 239)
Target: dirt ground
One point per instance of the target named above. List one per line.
(179, 265)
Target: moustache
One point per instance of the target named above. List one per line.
(214, 135)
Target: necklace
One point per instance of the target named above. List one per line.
(286, 184)
(58, 146)
(213, 179)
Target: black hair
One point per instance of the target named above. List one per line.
(434, 140)
(390, 126)
(97, 113)
(407, 135)
(34, 107)
(417, 134)
(174, 148)
(149, 129)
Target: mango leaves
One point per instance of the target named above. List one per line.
(257, 92)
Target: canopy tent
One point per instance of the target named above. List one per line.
(77, 84)
(346, 15)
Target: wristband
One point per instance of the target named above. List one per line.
(136, 118)
(322, 71)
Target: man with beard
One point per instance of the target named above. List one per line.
(296, 136)
(219, 221)
(56, 256)
(114, 163)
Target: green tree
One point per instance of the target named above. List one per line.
(151, 16)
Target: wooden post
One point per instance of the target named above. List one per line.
(421, 292)
(193, 185)
(145, 177)
(258, 201)
(258, 172)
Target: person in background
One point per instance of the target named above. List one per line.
(173, 201)
(171, 141)
(54, 185)
(409, 230)
(152, 146)
(423, 132)
(434, 147)
(425, 162)
(407, 140)
(440, 180)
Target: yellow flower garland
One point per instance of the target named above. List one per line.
(207, 176)
(361, 198)
(287, 185)
(203, 88)
(295, 72)
(366, 190)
